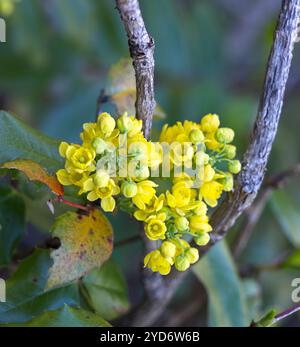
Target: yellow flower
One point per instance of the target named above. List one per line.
(125, 123)
(178, 133)
(70, 177)
(210, 123)
(101, 178)
(145, 193)
(181, 194)
(201, 209)
(104, 193)
(155, 205)
(168, 249)
(155, 227)
(211, 192)
(206, 173)
(182, 153)
(199, 224)
(157, 263)
(79, 158)
(154, 154)
(211, 142)
(196, 136)
(136, 128)
(90, 133)
(106, 123)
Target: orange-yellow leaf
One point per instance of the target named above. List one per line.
(86, 243)
(35, 172)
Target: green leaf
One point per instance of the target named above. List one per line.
(293, 261)
(105, 290)
(86, 243)
(287, 212)
(66, 317)
(226, 300)
(25, 294)
(12, 223)
(19, 141)
(267, 319)
(253, 297)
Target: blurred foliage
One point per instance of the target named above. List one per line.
(209, 57)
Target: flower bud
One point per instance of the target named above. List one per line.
(101, 178)
(142, 173)
(192, 255)
(107, 123)
(196, 136)
(229, 151)
(182, 263)
(225, 135)
(227, 182)
(210, 123)
(199, 224)
(129, 189)
(124, 123)
(181, 223)
(201, 209)
(209, 173)
(234, 166)
(168, 249)
(100, 145)
(201, 158)
(202, 239)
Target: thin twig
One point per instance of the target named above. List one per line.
(141, 47)
(72, 204)
(253, 213)
(286, 313)
(256, 157)
(102, 99)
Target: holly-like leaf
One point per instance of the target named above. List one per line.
(105, 290)
(26, 297)
(227, 305)
(122, 89)
(286, 211)
(19, 141)
(66, 316)
(86, 243)
(35, 172)
(292, 261)
(12, 222)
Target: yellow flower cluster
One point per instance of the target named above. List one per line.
(97, 165)
(115, 162)
(180, 213)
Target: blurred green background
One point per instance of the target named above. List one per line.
(210, 58)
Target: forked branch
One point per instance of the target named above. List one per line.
(264, 131)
